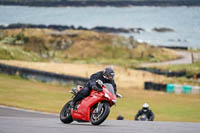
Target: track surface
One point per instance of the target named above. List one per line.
(14, 120)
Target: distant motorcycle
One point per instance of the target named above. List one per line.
(95, 108)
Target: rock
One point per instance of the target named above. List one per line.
(117, 30)
(64, 27)
(137, 30)
(163, 30)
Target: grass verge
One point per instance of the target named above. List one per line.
(189, 68)
(18, 92)
(32, 94)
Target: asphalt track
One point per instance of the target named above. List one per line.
(14, 120)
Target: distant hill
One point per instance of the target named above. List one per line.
(38, 44)
(115, 3)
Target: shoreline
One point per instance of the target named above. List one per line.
(103, 29)
(66, 27)
(87, 3)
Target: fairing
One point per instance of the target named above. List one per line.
(84, 110)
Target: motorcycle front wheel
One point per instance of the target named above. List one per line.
(65, 113)
(97, 118)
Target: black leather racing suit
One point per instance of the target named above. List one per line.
(91, 84)
(149, 114)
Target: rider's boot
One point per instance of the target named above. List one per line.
(72, 105)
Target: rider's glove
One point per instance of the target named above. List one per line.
(99, 82)
(150, 119)
(96, 88)
(118, 95)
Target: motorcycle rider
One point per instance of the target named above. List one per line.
(105, 76)
(145, 111)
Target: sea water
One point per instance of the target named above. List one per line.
(185, 21)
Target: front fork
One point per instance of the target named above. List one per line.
(98, 108)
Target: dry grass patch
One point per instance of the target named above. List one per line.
(125, 77)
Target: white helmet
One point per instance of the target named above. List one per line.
(145, 107)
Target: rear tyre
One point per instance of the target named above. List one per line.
(65, 114)
(97, 118)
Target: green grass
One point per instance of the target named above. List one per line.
(166, 107)
(132, 63)
(194, 50)
(17, 53)
(189, 68)
(18, 92)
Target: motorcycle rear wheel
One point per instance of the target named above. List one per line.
(65, 113)
(98, 118)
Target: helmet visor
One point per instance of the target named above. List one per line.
(145, 109)
(111, 76)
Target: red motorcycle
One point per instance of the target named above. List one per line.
(95, 108)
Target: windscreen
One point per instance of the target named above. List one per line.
(110, 88)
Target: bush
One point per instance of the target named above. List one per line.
(5, 53)
(9, 40)
(21, 37)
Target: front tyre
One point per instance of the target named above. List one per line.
(97, 118)
(65, 114)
